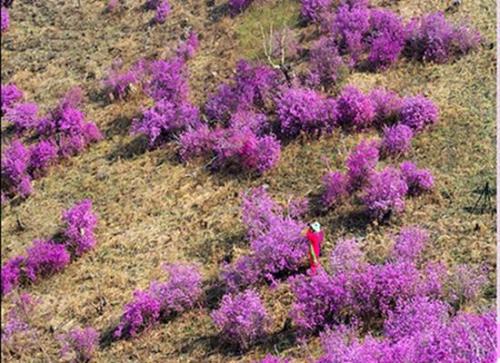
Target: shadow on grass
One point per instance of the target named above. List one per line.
(235, 238)
(107, 337)
(119, 126)
(130, 150)
(281, 340)
(216, 13)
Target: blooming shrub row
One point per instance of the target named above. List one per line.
(46, 257)
(304, 110)
(276, 243)
(180, 292)
(429, 335)
(371, 294)
(382, 192)
(357, 35)
(120, 82)
(63, 132)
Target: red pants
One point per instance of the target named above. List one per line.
(314, 266)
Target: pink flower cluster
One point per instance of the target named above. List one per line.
(277, 246)
(180, 292)
(47, 257)
(61, 133)
(381, 192)
(369, 294)
(241, 318)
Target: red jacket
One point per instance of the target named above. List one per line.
(315, 239)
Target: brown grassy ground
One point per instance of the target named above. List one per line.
(154, 209)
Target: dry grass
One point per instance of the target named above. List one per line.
(154, 209)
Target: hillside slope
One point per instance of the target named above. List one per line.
(154, 209)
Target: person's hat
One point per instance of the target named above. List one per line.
(316, 227)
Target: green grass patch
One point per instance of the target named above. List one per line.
(277, 14)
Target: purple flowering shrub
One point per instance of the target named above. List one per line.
(165, 119)
(14, 170)
(162, 11)
(66, 125)
(432, 337)
(335, 185)
(385, 193)
(387, 106)
(418, 180)
(12, 273)
(23, 116)
(180, 292)
(312, 10)
(348, 28)
(432, 38)
(80, 224)
(5, 19)
(46, 257)
(384, 39)
(361, 163)
(168, 80)
(355, 109)
(241, 145)
(80, 344)
(188, 48)
(347, 257)
(42, 155)
(409, 244)
(245, 150)
(381, 192)
(303, 110)
(241, 319)
(370, 294)
(464, 284)
(10, 95)
(273, 359)
(376, 37)
(259, 211)
(252, 88)
(318, 301)
(396, 140)
(17, 329)
(139, 314)
(326, 66)
(418, 113)
(194, 142)
(119, 83)
(276, 243)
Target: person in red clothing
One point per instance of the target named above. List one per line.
(315, 237)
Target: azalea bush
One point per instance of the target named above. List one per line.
(276, 243)
(10, 94)
(381, 192)
(79, 344)
(47, 257)
(359, 291)
(304, 110)
(432, 38)
(425, 333)
(180, 292)
(252, 88)
(241, 318)
(118, 82)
